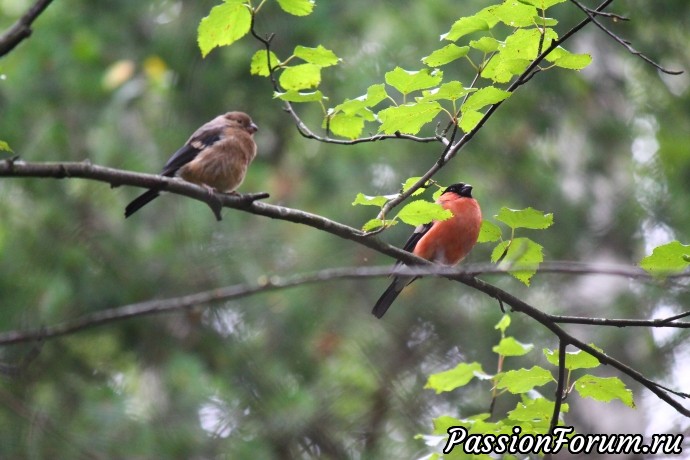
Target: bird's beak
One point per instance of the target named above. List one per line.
(467, 189)
(253, 128)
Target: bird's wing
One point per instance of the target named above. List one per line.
(203, 138)
(417, 235)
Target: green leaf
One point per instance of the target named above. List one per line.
(301, 76)
(567, 60)
(375, 224)
(454, 378)
(346, 125)
(604, 389)
(485, 44)
(225, 24)
(508, 346)
(525, 218)
(545, 22)
(451, 91)
(358, 107)
(529, 410)
(523, 258)
(4, 146)
(542, 4)
(318, 56)
(470, 119)
(442, 423)
(515, 14)
(517, 53)
(503, 324)
(523, 380)
(499, 251)
(409, 183)
(667, 259)
(464, 26)
(259, 63)
(408, 118)
(448, 53)
(573, 359)
(489, 232)
(367, 200)
(524, 43)
(421, 212)
(297, 7)
(484, 97)
(407, 81)
(501, 69)
(296, 96)
(375, 94)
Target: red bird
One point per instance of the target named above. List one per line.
(444, 242)
(216, 157)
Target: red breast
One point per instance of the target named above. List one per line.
(449, 241)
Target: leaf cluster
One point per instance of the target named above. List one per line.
(532, 412)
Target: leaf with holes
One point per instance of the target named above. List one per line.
(604, 389)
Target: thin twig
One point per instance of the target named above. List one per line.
(302, 128)
(560, 388)
(233, 292)
(622, 42)
(21, 29)
(275, 283)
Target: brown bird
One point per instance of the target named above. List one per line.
(444, 242)
(216, 157)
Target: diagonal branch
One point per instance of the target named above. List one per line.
(278, 283)
(274, 283)
(247, 203)
(11, 168)
(546, 320)
(21, 29)
(454, 149)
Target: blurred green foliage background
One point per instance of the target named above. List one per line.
(308, 371)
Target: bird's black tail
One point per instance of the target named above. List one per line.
(388, 297)
(140, 201)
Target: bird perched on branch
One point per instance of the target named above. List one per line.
(216, 157)
(445, 242)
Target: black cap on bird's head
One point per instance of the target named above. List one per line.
(461, 189)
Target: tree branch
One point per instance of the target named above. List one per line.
(302, 127)
(545, 320)
(247, 203)
(274, 283)
(454, 149)
(560, 388)
(624, 43)
(277, 283)
(21, 29)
